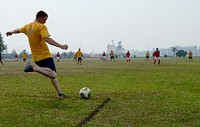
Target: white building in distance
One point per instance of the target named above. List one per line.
(118, 50)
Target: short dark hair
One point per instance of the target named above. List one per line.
(41, 14)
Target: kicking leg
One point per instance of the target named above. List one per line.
(48, 73)
(51, 74)
(45, 71)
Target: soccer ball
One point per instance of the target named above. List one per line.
(85, 93)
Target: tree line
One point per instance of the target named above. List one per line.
(177, 51)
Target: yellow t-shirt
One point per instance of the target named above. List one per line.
(79, 54)
(75, 55)
(111, 54)
(24, 56)
(190, 54)
(147, 54)
(36, 32)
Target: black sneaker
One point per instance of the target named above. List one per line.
(28, 68)
(61, 95)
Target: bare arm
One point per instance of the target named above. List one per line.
(54, 43)
(12, 32)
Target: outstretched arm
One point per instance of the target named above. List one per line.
(54, 43)
(12, 32)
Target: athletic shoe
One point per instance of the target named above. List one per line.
(62, 95)
(28, 68)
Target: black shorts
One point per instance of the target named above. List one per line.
(79, 58)
(48, 63)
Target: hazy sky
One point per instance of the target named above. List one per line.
(93, 24)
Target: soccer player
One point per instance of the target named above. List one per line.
(128, 56)
(190, 56)
(156, 56)
(112, 56)
(75, 57)
(58, 56)
(38, 35)
(147, 55)
(79, 55)
(24, 57)
(1, 58)
(16, 57)
(104, 56)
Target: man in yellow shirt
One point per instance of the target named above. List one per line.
(38, 35)
(75, 57)
(112, 56)
(147, 55)
(79, 55)
(24, 57)
(190, 56)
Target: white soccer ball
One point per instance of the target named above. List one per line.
(85, 92)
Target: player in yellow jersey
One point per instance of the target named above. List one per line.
(24, 57)
(79, 55)
(38, 35)
(75, 57)
(190, 56)
(112, 56)
(147, 55)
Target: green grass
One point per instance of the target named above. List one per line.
(142, 95)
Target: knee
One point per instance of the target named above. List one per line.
(53, 75)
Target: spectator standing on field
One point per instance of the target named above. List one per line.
(38, 35)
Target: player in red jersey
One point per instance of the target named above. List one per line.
(58, 56)
(104, 56)
(128, 55)
(16, 57)
(156, 56)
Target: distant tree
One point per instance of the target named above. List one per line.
(13, 53)
(181, 53)
(174, 50)
(70, 54)
(64, 55)
(2, 46)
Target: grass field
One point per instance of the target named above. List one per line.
(142, 95)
